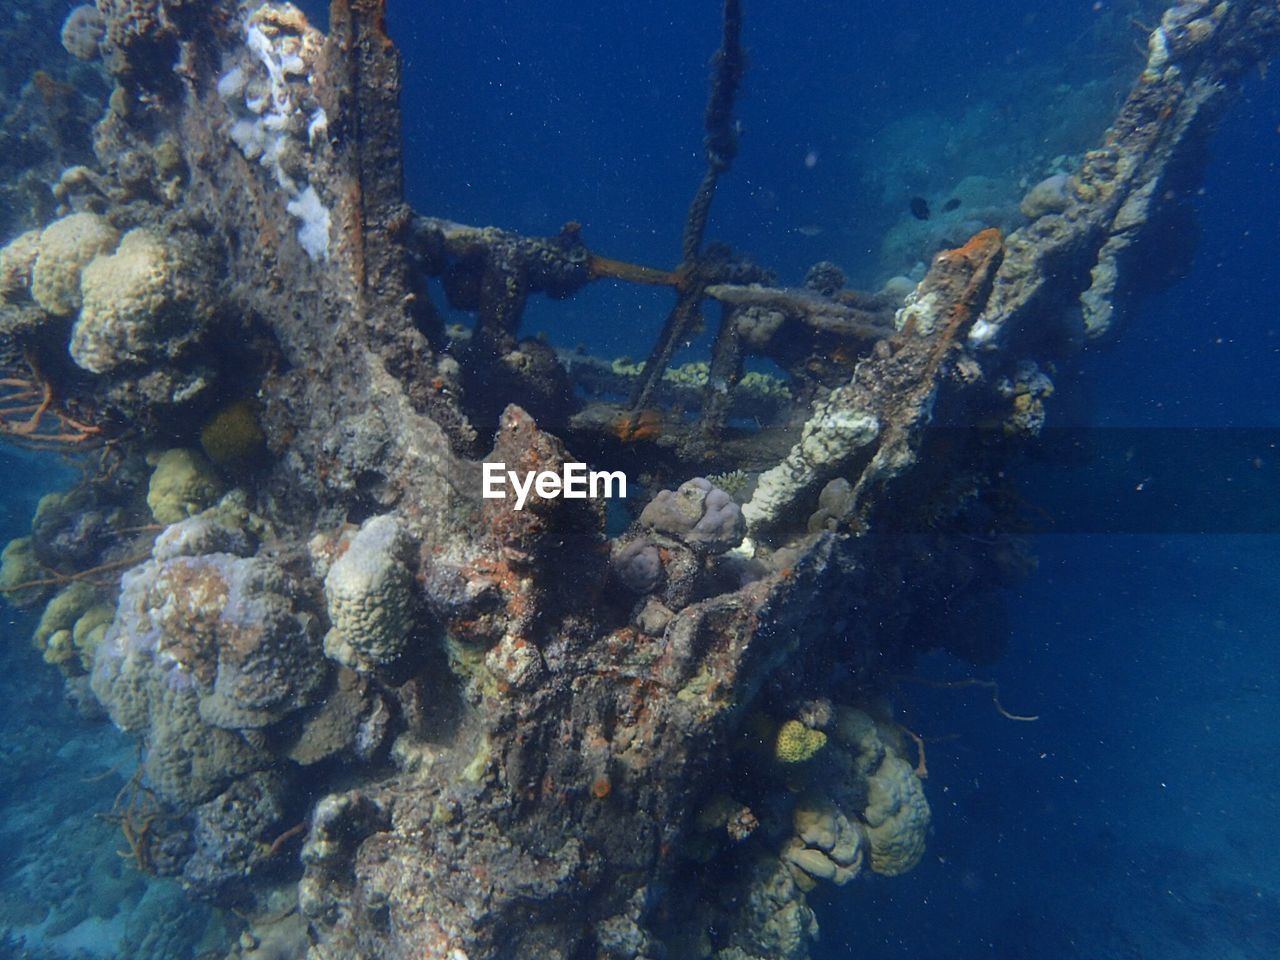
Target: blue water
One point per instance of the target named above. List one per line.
(1137, 818)
(527, 115)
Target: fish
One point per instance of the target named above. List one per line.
(920, 208)
(951, 204)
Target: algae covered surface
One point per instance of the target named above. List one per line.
(718, 482)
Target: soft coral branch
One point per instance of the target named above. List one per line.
(28, 414)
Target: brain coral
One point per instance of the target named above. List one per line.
(638, 566)
(864, 804)
(897, 817)
(828, 846)
(188, 761)
(1050, 195)
(895, 811)
(369, 593)
(129, 298)
(698, 514)
(66, 247)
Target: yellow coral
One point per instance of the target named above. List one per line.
(89, 631)
(54, 635)
(182, 485)
(897, 817)
(18, 565)
(796, 743)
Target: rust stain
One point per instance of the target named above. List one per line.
(638, 427)
(978, 247)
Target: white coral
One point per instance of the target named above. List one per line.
(832, 435)
(16, 260)
(313, 217)
(66, 248)
(83, 31)
(277, 121)
(127, 296)
(369, 595)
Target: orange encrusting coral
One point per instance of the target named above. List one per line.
(637, 427)
(980, 257)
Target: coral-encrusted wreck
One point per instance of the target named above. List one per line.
(508, 735)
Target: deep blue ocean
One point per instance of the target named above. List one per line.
(1139, 817)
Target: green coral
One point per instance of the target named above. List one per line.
(689, 375)
(48, 509)
(18, 565)
(753, 381)
(696, 376)
(89, 632)
(233, 439)
(625, 367)
(54, 635)
(797, 743)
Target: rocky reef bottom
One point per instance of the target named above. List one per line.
(68, 887)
